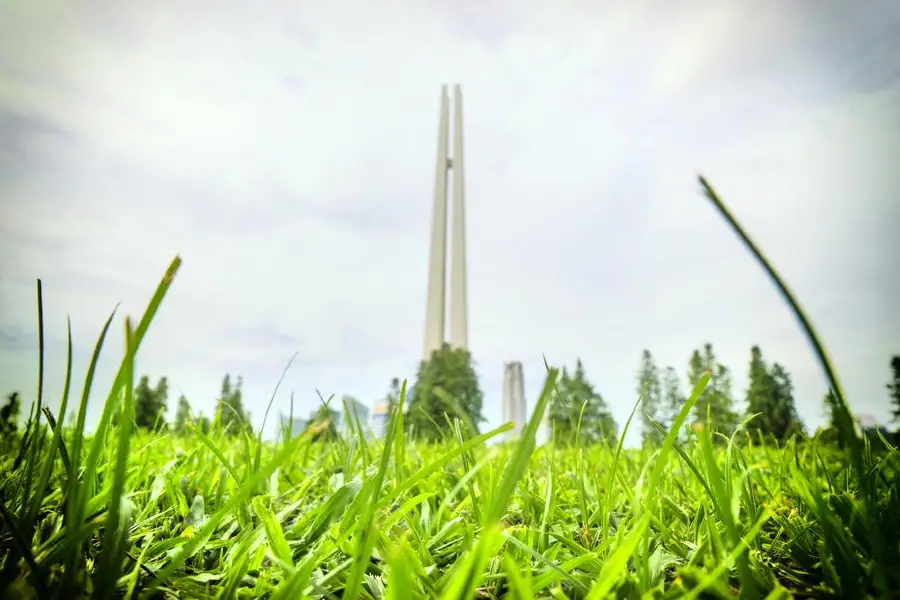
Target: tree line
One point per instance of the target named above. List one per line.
(447, 388)
(151, 404)
(769, 397)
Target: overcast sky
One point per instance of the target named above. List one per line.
(286, 151)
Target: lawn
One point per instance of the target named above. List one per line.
(125, 512)
(223, 516)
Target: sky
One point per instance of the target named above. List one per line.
(286, 151)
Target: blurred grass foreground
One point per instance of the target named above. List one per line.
(124, 512)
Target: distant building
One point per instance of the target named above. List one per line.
(349, 406)
(380, 416)
(296, 425)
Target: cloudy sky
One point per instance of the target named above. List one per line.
(286, 152)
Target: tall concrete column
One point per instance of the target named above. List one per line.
(437, 293)
(436, 309)
(513, 408)
(459, 319)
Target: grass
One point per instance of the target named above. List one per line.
(123, 512)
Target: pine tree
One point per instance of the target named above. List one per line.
(649, 385)
(150, 403)
(9, 422)
(696, 369)
(894, 388)
(203, 423)
(161, 398)
(182, 415)
(786, 421)
(226, 386)
(759, 392)
(674, 399)
(231, 407)
(770, 393)
(9, 415)
(572, 394)
(717, 397)
(831, 433)
(446, 386)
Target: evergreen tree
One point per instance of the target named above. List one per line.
(759, 394)
(9, 420)
(446, 386)
(717, 397)
(203, 423)
(392, 399)
(786, 421)
(674, 399)
(573, 392)
(770, 393)
(393, 396)
(894, 388)
(161, 399)
(831, 433)
(226, 386)
(230, 407)
(182, 415)
(648, 377)
(150, 403)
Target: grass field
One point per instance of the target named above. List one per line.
(128, 513)
(215, 516)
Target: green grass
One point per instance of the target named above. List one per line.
(123, 512)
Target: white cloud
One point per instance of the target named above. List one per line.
(287, 153)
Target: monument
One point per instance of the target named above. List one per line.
(451, 167)
(436, 307)
(513, 407)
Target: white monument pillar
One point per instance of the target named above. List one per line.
(435, 311)
(513, 407)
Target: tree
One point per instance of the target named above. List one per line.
(203, 423)
(161, 396)
(572, 394)
(150, 403)
(182, 415)
(393, 396)
(648, 377)
(759, 392)
(674, 399)
(770, 393)
(831, 433)
(230, 407)
(9, 416)
(446, 386)
(9, 422)
(716, 398)
(894, 388)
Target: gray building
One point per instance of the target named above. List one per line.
(349, 406)
(296, 425)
